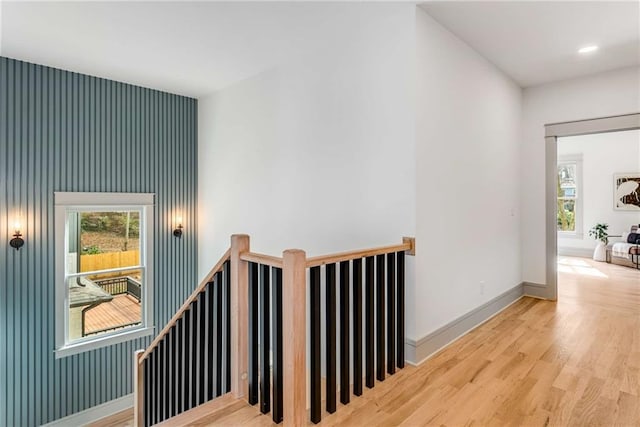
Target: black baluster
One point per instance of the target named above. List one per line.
(186, 390)
(216, 330)
(179, 369)
(202, 346)
(391, 313)
(227, 299)
(165, 372)
(150, 419)
(165, 376)
(170, 337)
(369, 297)
(277, 345)
(314, 344)
(400, 284)
(155, 385)
(380, 306)
(330, 272)
(161, 384)
(345, 393)
(211, 339)
(218, 311)
(193, 401)
(253, 333)
(147, 391)
(357, 326)
(265, 340)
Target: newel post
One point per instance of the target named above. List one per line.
(294, 303)
(138, 389)
(239, 315)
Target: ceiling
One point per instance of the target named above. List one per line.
(537, 42)
(195, 48)
(189, 48)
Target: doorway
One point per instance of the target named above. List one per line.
(598, 206)
(552, 133)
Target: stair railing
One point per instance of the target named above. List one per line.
(381, 271)
(189, 361)
(263, 333)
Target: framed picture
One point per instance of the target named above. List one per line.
(626, 191)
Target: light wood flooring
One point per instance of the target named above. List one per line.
(538, 363)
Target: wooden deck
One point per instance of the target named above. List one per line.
(538, 363)
(123, 309)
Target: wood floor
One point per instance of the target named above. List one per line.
(539, 363)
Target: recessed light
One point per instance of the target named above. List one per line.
(588, 49)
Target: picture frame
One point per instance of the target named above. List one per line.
(626, 191)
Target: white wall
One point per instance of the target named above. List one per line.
(316, 153)
(468, 142)
(603, 155)
(606, 94)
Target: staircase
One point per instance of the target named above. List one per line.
(242, 336)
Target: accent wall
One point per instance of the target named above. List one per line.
(63, 131)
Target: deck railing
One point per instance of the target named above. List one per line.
(121, 285)
(251, 314)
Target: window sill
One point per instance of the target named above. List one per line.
(71, 349)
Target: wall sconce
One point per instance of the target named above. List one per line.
(17, 242)
(177, 231)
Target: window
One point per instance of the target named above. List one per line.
(103, 269)
(569, 201)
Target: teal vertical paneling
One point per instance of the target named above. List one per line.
(63, 131)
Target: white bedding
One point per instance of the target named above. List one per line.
(621, 250)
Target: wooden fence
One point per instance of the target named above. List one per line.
(109, 260)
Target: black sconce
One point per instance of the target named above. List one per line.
(17, 242)
(177, 231)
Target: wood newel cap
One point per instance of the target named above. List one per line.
(294, 252)
(239, 239)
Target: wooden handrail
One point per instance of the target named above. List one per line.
(269, 260)
(194, 295)
(408, 245)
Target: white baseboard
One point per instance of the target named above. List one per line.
(535, 290)
(578, 252)
(94, 413)
(420, 350)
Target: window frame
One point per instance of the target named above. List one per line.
(66, 202)
(573, 159)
